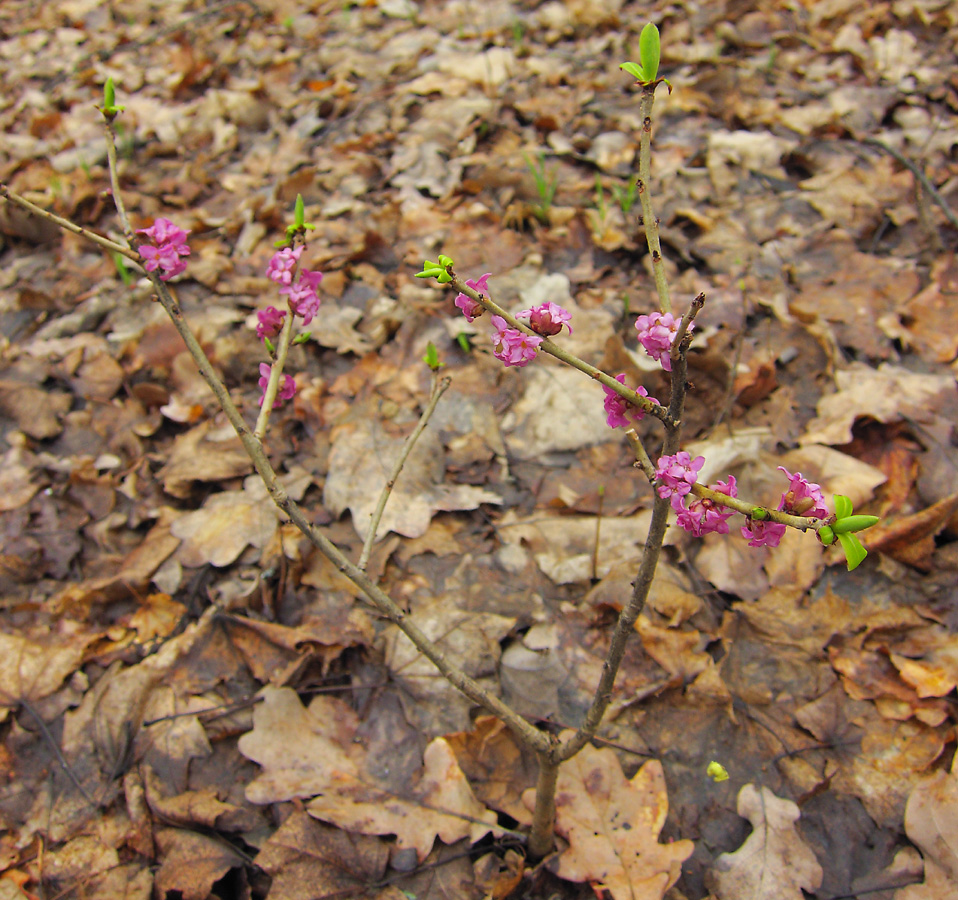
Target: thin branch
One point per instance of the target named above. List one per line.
(56, 750)
(649, 220)
(115, 180)
(922, 179)
(67, 225)
(275, 374)
(559, 353)
(537, 740)
(439, 387)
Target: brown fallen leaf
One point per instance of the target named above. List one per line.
(931, 821)
(309, 752)
(191, 863)
(359, 465)
(613, 824)
(773, 863)
(309, 859)
(911, 539)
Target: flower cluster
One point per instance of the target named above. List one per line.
(170, 246)
(547, 319)
(704, 516)
(656, 332)
(269, 322)
(286, 391)
(676, 474)
(511, 346)
(471, 309)
(618, 411)
(803, 498)
(301, 294)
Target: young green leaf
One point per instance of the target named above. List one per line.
(843, 506)
(854, 551)
(299, 212)
(635, 70)
(854, 523)
(431, 358)
(649, 51)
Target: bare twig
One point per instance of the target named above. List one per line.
(920, 176)
(563, 355)
(275, 373)
(439, 387)
(67, 225)
(56, 750)
(649, 220)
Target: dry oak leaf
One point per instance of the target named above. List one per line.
(773, 863)
(931, 821)
(359, 465)
(888, 394)
(309, 859)
(191, 863)
(311, 753)
(613, 824)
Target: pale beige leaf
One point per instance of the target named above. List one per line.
(613, 824)
(773, 863)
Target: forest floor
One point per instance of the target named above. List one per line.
(194, 702)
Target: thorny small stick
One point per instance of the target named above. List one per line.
(439, 387)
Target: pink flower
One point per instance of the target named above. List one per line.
(618, 410)
(677, 473)
(703, 516)
(472, 309)
(512, 346)
(547, 319)
(282, 264)
(302, 296)
(270, 322)
(763, 534)
(286, 390)
(170, 246)
(803, 498)
(656, 333)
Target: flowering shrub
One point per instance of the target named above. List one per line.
(517, 340)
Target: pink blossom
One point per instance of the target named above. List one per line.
(270, 322)
(282, 264)
(803, 498)
(472, 309)
(286, 390)
(677, 473)
(656, 333)
(170, 246)
(763, 534)
(513, 347)
(619, 412)
(702, 515)
(302, 296)
(547, 319)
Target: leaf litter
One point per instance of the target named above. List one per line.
(826, 346)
